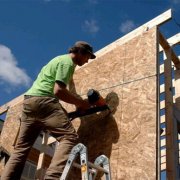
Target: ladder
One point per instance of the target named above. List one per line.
(88, 170)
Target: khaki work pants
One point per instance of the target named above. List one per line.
(41, 113)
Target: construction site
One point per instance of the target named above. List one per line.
(139, 77)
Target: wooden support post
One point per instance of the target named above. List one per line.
(177, 87)
(39, 173)
(171, 124)
(172, 41)
(165, 45)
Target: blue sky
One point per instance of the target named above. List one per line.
(34, 31)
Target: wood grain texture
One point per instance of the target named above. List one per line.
(10, 128)
(127, 136)
(137, 150)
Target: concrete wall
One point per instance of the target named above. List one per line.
(126, 77)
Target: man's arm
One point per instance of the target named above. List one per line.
(63, 94)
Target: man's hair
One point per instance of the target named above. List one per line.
(78, 50)
(82, 47)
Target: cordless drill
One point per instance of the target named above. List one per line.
(97, 102)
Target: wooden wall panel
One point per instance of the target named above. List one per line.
(140, 57)
(128, 136)
(104, 72)
(10, 128)
(137, 150)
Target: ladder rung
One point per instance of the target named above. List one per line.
(79, 166)
(97, 167)
(92, 166)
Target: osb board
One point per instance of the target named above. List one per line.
(100, 132)
(10, 128)
(137, 143)
(130, 61)
(128, 136)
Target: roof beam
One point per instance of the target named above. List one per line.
(165, 45)
(172, 41)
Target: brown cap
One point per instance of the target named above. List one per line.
(86, 46)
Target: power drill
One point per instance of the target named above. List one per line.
(97, 102)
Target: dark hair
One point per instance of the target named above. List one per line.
(78, 50)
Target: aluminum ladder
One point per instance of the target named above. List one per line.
(88, 170)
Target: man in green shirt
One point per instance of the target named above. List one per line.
(42, 111)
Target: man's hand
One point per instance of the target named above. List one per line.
(63, 94)
(83, 105)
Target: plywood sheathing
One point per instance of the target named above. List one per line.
(12, 103)
(126, 76)
(10, 128)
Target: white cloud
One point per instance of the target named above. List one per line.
(90, 26)
(9, 71)
(127, 26)
(176, 1)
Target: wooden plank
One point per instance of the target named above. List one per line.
(162, 88)
(166, 46)
(163, 166)
(163, 152)
(39, 172)
(163, 142)
(161, 68)
(51, 140)
(163, 159)
(162, 104)
(172, 41)
(11, 103)
(171, 124)
(162, 119)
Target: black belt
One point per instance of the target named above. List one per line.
(30, 96)
(27, 96)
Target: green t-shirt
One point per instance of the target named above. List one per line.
(61, 68)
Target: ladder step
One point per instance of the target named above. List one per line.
(99, 168)
(79, 167)
(88, 170)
